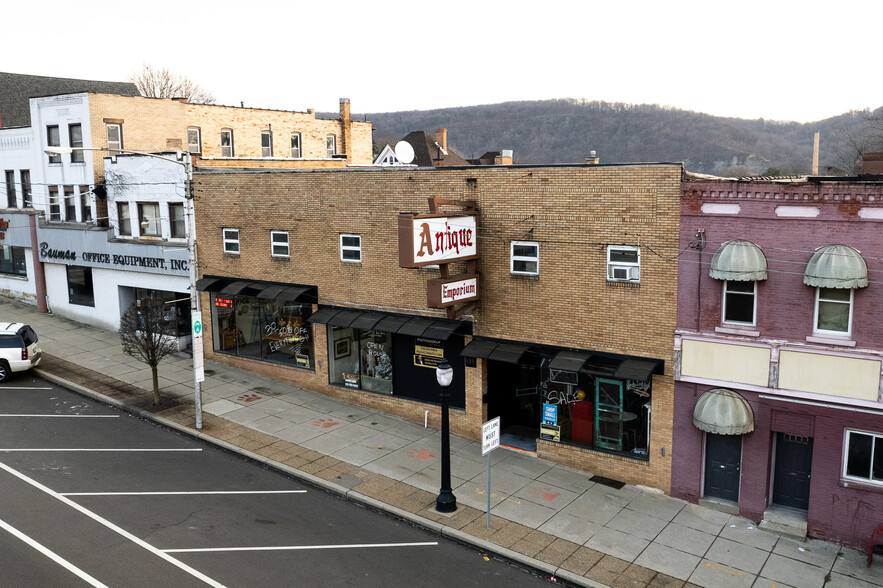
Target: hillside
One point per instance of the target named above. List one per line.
(566, 131)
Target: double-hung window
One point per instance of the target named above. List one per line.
(54, 205)
(623, 263)
(351, 248)
(27, 197)
(124, 220)
(148, 219)
(114, 137)
(194, 140)
(177, 224)
(833, 311)
(70, 204)
(226, 142)
(331, 145)
(739, 302)
(75, 134)
(231, 241)
(266, 144)
(53, 139)
(295, 145)
(524, 258)
(11, 198)
(279, 243)
(863, 457)
(85, 204)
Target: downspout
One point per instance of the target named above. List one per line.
(39, 274)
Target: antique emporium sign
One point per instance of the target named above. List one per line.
(429, 239)
(443, 292)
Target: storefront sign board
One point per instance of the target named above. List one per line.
(429, 239)
(444, 292)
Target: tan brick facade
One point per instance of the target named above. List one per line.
(573, 212)
(161, 124)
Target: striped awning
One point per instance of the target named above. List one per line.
(723, 412)
(740, 261)
(836, 266)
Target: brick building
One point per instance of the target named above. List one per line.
(577, 281)
(778, 353)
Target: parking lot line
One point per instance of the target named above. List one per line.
(51, 555)
(194, 492)
(64, 416)
(26, 388)
(141, 543)
(88, 450)
(299, 547)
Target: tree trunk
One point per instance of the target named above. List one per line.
(155, 371)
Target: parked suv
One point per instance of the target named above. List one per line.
(18, 349)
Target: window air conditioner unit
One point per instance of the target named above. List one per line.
(621, 272)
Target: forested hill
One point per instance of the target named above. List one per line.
(566, 131)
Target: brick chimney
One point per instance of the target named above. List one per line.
(503, 158)
(441, 137)
(593, 159)
(872, 163)
(346, 123)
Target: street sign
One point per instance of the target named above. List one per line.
(197, 324)
(490, 435)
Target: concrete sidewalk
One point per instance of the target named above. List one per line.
(548, 516)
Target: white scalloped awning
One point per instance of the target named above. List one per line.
(836, 266)
(723, 412)
(738, 260)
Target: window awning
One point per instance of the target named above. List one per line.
(237, 286)
(278, 292)
(210, 284)
(836, 266)
(723, 412)
(389, 323)
(505, 352)
(637, 369)
(569, 361)
(740, 261)
(263, 290)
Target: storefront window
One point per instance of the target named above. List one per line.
(12, 260)
(263, 329)
(360, 359)
(177, 306)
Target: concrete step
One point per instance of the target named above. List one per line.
(788, 522)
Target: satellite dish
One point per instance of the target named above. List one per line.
(404, 152)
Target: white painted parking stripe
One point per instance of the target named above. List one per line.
(51, 555)
(194, 493)
(85, 450)
(299, 547)
(141, 543)
(25, 388)
(64, 416)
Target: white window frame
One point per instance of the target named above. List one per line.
(331, 145)
(279, 247)
(267, 150)
(78, 155)
(53, 141)
(614, 267)
(149, 226)
(356, 248)
(230, 148)
(231, 240)
(296, 152)
(524, 258)
(194, 147)
(172, 218)
(724, 298)
(124, 214)
(117, 145)
(847, 433)
(815, 317)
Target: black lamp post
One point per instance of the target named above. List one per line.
(446, 501)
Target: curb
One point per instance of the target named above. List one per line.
(429, 524)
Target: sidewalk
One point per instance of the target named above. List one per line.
(545, 515)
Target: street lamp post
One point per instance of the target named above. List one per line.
(446, 501)
(195, 304)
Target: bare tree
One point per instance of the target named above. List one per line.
(147, 335)
(161, 83)
(860, 132)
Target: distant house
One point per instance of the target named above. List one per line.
(432, 151)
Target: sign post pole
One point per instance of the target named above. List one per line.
(490, 440)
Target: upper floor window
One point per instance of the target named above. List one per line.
(623, 263)
(85, 204)
(114, 137)
(177, 224)
(75, 134)
(194, 140)
(295, 145)
(53, 139)
(739, 302)
(833, 311)
(351, 248)
(279, 243)
(266, 144)
(148, 219)
(524, 258)
(231, 241)
(26, 195)
(226, 142)
(863, 459)
(54, 205)
(11, 197)
(70, 204)
(331, 145)
(124, 220)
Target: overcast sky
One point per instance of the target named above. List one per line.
(775, 59)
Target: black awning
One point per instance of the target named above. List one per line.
(569, 361)
(281, 292)
(323, 315)
(389, 323)
(238, 286)
(367, 321)
(211, 284)
(345, 318)
(506, 352)
(637, 369)
(415, 327)
(442, 330)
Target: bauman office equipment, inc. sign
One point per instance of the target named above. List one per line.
(429, 239)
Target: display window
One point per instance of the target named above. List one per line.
(360, 359)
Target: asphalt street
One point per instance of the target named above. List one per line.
(93, 496)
